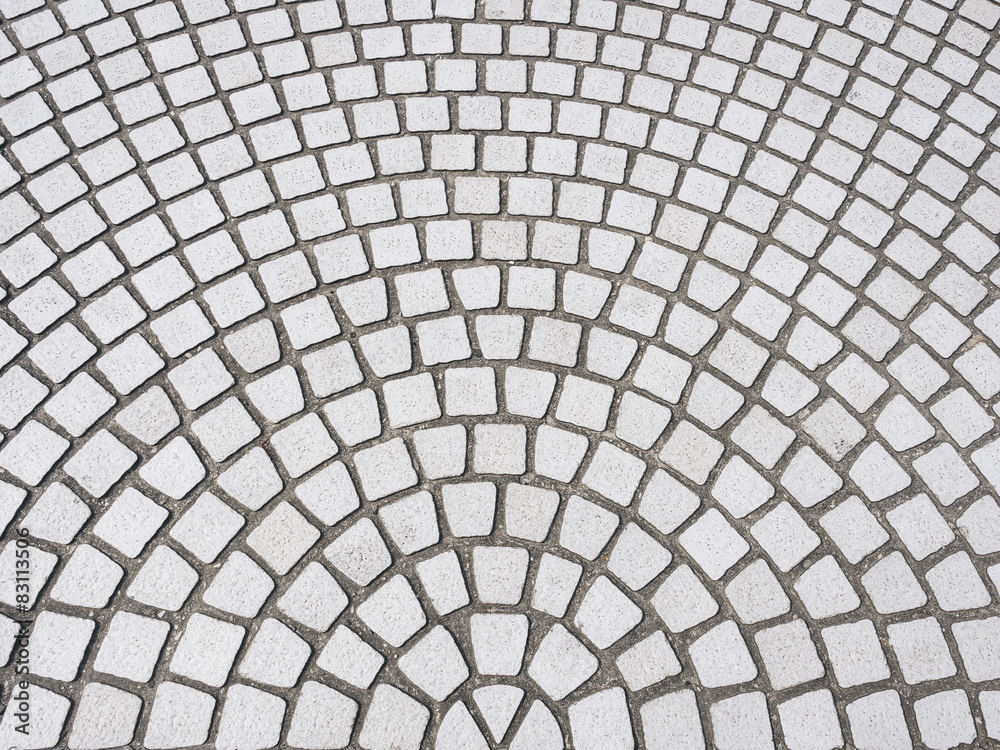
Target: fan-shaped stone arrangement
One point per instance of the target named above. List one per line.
(538, 375)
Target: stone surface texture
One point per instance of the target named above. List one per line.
(537, 374)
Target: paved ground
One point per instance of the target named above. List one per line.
(591, 375)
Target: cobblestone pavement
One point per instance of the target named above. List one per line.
(530, 375)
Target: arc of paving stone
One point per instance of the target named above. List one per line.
(578, 375)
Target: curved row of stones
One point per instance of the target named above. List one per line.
(564, 375)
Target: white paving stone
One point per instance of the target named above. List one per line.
(561, 664)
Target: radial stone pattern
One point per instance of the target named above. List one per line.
(530, 375)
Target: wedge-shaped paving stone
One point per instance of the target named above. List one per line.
(360, 552)
(322, 715)
(164, 581)
(207, 527)
(742, 721)
(756, 594)
(393, 611)
(789, 655)
(275, 656)
(207, 649)
(349, 658)
(606, 614)
(435, 664)
(637, 558)
(602, 720)
(561, 664)
(105, 717)
(88, 579)
(283, 537)
(394, 720)
(682, 601)
(810, 721)
(672, 720)
(180, 715)
(385, 469)
(60, 643)
(250, 717)
(315, 599)
(130, 522)
(131, 647)
(175, 469)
